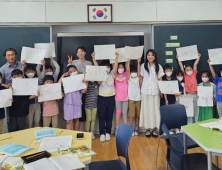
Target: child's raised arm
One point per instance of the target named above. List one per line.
(138, 67)
(196, 62)
(94, 60)
(180, 64)
(211, 69)
(23, 66)
(57, 68)
(64, 75)
(128, 68)
(115, 67)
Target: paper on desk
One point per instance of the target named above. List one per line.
(48, 47)
(51, 144)
(42, 164)
(13, 149)
(44, 133)
(212, 125)
(12, 163)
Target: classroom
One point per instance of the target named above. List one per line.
(111, 84)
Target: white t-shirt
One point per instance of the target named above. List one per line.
(134, 89)
(150, 80)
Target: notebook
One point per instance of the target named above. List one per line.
(82, 151)
(12, 163)
(64, 162)
(213, 125)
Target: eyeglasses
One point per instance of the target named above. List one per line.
(10, 55)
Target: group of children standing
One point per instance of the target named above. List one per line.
(131, 91)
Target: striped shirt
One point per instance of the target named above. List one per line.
(81, 67)
(6, 71)
(92, 95)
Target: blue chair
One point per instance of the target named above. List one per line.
(176, 158)
(174, 116)
(124, 134)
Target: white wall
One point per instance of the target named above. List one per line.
(75, 11)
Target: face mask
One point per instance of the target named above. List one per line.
(133, 75)
(189, 73)
(205, 79)
(180, 78)
(108, 69)
(73, 73)
(30, 75)
(168, 74)
(49, 73)
(120, 70)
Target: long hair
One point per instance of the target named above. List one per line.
(155, 61)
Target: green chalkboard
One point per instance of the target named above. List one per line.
(204, 36)
(16, 37)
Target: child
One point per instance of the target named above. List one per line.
(20, 107)
(50, 108)
(48, 70)
(34, 106)
(191, 84)
(151, 72)
(121, 97)
(218, 83)
(106, 100)
(2, 110)
(206, 113)
(72, 102)
(179, 76)
(169, 98)
(91, 105)
(133, 76)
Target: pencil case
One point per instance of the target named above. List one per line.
(36, 156)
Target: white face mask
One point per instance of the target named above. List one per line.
(189, 73)
(180, 78)
(205, 79)
(49, 73)
(120, 70)
(73, 73)
(30, 75)
(133, 75)
(108, 69)
(168, 74)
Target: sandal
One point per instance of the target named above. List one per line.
(148, 134)
(154, 133)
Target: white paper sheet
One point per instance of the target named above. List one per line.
(5, 98)
(187, 101)
(205, 96)
(133, 52)
(73, 83)
(48, 47)
(25, 86)
(103, 52)
(96, 73)
(187, 53)
(211, 124)
(168, 87)
(215, 55)
(51, 144)
(50, 92)
(43, 164)
(121, 57)
(32, 55)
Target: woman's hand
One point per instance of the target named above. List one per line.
(70, 59)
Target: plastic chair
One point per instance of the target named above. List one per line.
(124, 134)
(176, 158)
(174, 116)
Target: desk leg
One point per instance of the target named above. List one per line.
(216, 160)
(209, 161)
(185, 143)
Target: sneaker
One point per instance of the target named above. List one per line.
(136, 132)
(154, 133)
(133, 134)
(148, 134)
(93, 136)
(107, 136)
(102, 138)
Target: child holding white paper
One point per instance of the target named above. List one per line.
(20, 107)
(133, 76)
(179, 76)
(218, 83)
(34, 106)
(190, 79)
(72, 102)
(50, 108)
(48, 70)
(206, 113)
(106, 99)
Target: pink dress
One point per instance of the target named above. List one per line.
(121, 87)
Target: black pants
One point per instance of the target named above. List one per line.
(105, 113)
(83, 118)
(17, 123)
